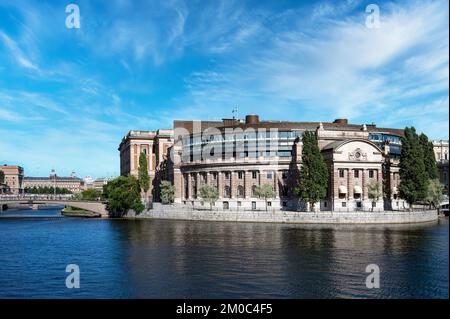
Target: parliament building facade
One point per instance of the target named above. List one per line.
(236, 156)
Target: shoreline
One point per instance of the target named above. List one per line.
(175, 212)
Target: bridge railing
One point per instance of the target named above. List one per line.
(44, 197)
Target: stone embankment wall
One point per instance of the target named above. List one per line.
(385, 217)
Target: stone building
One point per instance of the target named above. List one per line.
(441, 154)
(72, 183)
(154, 144)
(12, 177)
(239, 155)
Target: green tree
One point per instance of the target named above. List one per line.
(265, 191)
(374, 191)
(434, 193)
(210, 194)
(428, 156)
(123, 194)
(313, 178)
(413, 175)
(91, 194)
(143, 177)
(167, 192)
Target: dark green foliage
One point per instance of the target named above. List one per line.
(210, 194)
(413, 174)
(265, 191)
(91, 194)
(46, 190)
(429, 158)
(313, 179)
(143, 177)
(123, 194)
(167, 192)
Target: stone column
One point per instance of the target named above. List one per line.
(365, 180)
(189, 182)
(248, 184)
(391, 185)
(178, 183)
(208, 178)
(275, 186)
(220, 183)
(233, 184)
(334, 183)
(380, 181)
(350, 184)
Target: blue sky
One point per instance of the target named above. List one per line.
(67, 96)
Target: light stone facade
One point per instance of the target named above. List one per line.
(155, 145)
(231, 159)
(11, 179)
(356, 155)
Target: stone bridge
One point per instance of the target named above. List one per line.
(93, 206)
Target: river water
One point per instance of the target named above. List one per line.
(185, 259)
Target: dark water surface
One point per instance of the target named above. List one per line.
(183, 259)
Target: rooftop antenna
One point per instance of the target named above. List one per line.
(235, 112)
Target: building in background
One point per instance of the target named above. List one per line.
(88, 182)
(71, 183)
(356, 155)
(441, 153)
(154, 144)
(4, 189)
(12, 179)
(100, 182)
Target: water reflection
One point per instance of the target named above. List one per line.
(201, 259)
(182, 259)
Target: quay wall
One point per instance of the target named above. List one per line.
(323, 217)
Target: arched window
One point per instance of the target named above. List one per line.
(227, 192)
(240, 191)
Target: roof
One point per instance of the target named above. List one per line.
(337, 144)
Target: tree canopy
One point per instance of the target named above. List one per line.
(413, 174)
(210, 194)
(143, 177)
(123, 194)
(313, 178)
(265, 191)
(167, 192)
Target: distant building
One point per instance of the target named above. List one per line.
(441, 154)
(100, 182)
(4, 189)
(441, 150)
(88, 182)
(72, 183)
(12, 179)
(154, 144)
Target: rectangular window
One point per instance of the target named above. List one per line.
(371, 173)
(254, 174)
(341, 173)
(344, 204)
(356, 173)
(269, 175)
(240, 175)
(239, 204)
(285, 174)
(227, 175)
(269, 204)
(214, 175)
